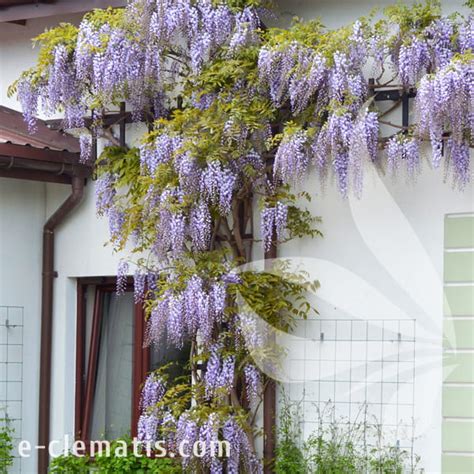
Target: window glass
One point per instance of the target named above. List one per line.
(164, 353)
(112, 406)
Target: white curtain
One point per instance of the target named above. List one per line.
(112, 408)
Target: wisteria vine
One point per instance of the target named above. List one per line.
(238, 112)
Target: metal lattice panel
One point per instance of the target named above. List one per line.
(11, 372)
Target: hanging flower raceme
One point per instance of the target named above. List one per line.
(217, 185)
(187, 434)
(246, 25)
(291, 158)
(252, 382)
(139, 286)
(200, 226)
(444, 107)
(28, 97)
(273, 223)
(333, 142)
(403, 150)
(153, 391)
(363, 144)
(85, 141)
(219, 377)
(466, 35)
(105, 192)
(162, 150)
(192, 312)
(275, 67)
(240, 449)
(413, 60)
(122, 276)
(152, 417)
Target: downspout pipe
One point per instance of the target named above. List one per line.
(48, 275)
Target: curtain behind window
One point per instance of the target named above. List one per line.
(112, 408)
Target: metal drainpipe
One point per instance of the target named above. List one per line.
(47, 318)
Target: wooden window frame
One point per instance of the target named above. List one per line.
(86, 377)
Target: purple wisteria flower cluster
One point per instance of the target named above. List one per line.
(151, 416)
(429, 51)
(400, 149)
(219, 377)
(205, 433)
(252, 382)
(340, 144)
(274, 220)
(214, 183)
(330, 86)
(111, 61)
(303, 74)
(190, 313)
(445, 109)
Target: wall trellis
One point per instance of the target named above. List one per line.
(11, 372)
(364, 370)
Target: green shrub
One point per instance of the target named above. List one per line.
(104, 464)
(6, 446)
(337, 446)
(289, 455)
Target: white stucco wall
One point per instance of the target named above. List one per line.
(393, 240)
(357, 236)
(22, 213)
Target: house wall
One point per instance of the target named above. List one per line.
(381, 259)
(22, 212)
(381, 256)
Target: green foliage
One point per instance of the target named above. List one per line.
(132, 463)
(416, 16)
(301, 222)
(337, 445)
(279, 297)
(65, 34)
(289, 452)
(241, 4)
(409, 19)
(313, 34)
(69, 464)
(114, 463)
(6, 446)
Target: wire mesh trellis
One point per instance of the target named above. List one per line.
(360, 368)
(11, 372)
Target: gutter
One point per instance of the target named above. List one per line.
(45, 171)
(48, 276)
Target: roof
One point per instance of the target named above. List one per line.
(48, 155)
(14, 129)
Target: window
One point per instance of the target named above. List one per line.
(111, 360)
(458, 328)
